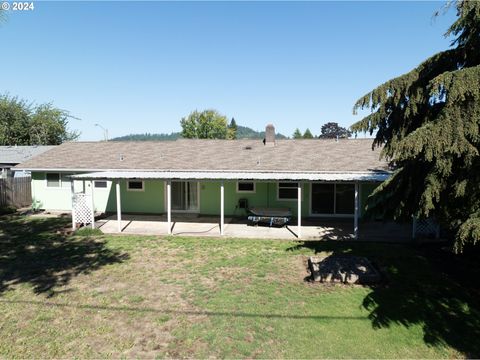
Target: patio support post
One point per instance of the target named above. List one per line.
(72, 190)
(222, 208)
(355, 217)
(119, 206)
(92, 203)
(169, 206)
(299, 211)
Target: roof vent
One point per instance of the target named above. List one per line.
(269, 135)
(248, 147)
(121, 157)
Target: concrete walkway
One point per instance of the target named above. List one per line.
(330, 229)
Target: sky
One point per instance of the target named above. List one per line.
(136, 67)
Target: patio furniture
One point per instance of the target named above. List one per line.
(271, 216)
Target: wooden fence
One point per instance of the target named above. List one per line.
(16, 192)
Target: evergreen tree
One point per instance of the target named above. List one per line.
(307, 134)
(428, 123)
(232, 130)
(297, 134)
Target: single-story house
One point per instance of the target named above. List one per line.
(312, 178)
(14, 155)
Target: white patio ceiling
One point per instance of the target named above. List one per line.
(224, 175)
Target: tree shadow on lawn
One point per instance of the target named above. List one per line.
(415, 292)
(38, 252)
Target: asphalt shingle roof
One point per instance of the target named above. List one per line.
(347, 155)
(18, 154)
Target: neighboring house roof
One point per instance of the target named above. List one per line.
(188, 155)
(13, 155)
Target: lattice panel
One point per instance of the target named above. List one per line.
(82, 208)
(426, 227)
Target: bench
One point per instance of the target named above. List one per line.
(271, 216)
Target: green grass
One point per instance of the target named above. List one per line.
(88, 231)
(127, 296)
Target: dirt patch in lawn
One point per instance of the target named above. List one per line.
(289, 270)
(128, 309)
(160, 305)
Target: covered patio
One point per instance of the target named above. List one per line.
(83, 205)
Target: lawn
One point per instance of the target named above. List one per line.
(136, 296)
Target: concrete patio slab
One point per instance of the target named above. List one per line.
(209, 226)
(312, 229)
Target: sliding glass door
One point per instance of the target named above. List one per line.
(185, 196)
(333, 199)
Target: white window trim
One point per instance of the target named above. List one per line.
(128, 185)
(247, 191)
(296, 188)
(59, 180)
(334, 215)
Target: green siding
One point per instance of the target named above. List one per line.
(265, 196)
(103, 197)
(152, 199)
(365, 190)
(52, 198)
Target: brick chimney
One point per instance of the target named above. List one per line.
(269, 135)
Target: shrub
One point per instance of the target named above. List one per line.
(7, 210)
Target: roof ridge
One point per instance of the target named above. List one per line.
(185, 139)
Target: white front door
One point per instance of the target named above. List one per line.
(185, 196)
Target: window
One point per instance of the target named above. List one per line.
(287, 191)
(135, 185)
(53, 180)
(333, 199)
(345, 198)
(58, 180)
(65, 180)
(323, 198)
(101, 184)
(245, 187)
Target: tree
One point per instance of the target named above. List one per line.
(232, 130)
(307, 134)
(331, 130)
(48, 125)
(428, 123)
(297, 134)
(22, 123)
(14, 121)
(208, 124)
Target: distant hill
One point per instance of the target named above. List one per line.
(148, 137)
(243, 132)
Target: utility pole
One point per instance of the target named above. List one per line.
(105, 132)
